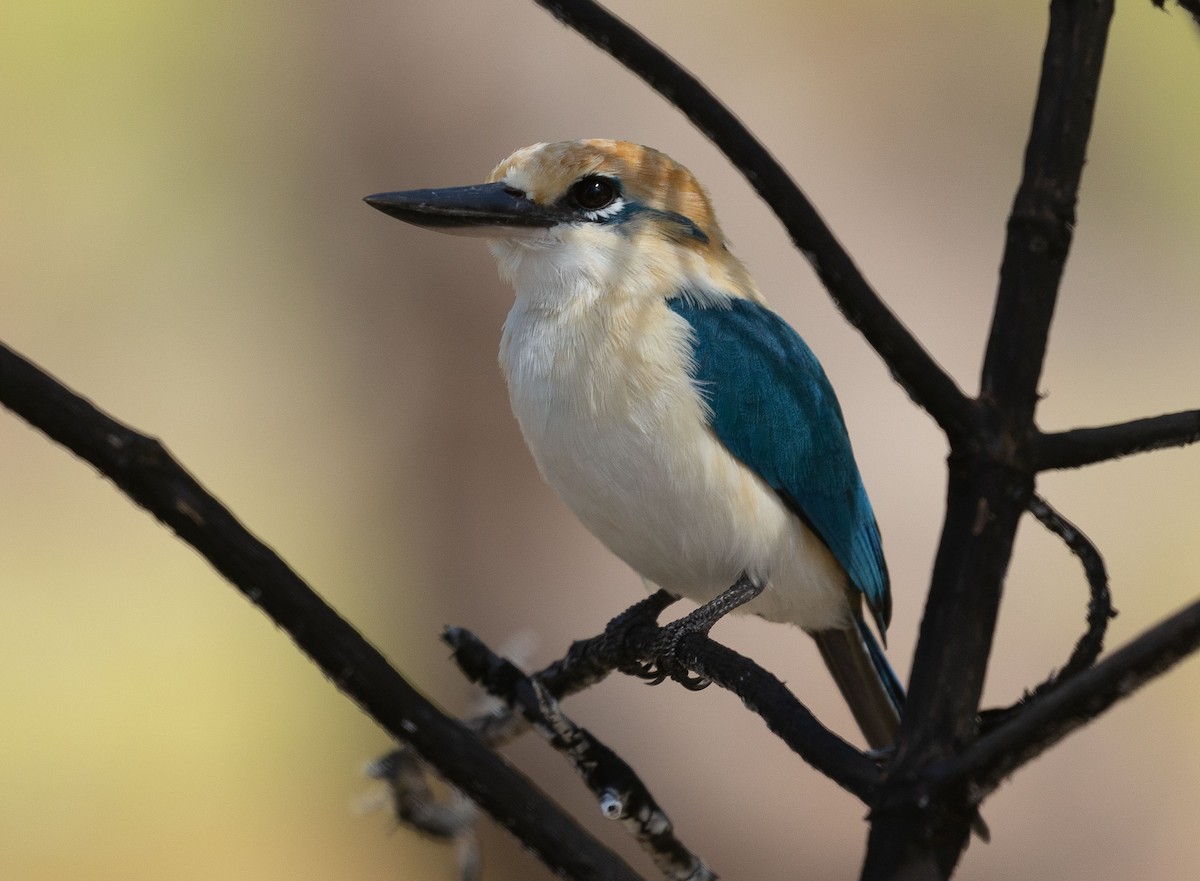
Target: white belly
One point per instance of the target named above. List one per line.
(615, 425)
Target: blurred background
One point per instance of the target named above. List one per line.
(182, 241)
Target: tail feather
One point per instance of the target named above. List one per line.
(867, 682)
(871, 688)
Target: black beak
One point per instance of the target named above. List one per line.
(476, 208)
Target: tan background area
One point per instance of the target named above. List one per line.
(182, 240)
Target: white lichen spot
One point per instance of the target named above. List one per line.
(612, 806)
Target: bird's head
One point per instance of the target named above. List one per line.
(588, 218)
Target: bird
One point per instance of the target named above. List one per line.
(682, 420)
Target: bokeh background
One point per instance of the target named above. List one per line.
(182, 241)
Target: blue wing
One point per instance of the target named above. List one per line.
(774, 409)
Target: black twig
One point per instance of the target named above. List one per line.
(1076, 702)
(143, 469)
(926, 382)
(620, 793)
(1086, 446)
(1191, 6)
(413, 801)
(1099, 610)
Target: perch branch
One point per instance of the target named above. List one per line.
(630, 643)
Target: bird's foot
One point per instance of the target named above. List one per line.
(641, 615)
(665, 648)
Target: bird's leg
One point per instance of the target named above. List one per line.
(700, 621)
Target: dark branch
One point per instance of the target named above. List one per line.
(1043, 215)
(631, 643)
(1051, 718)
(620, 793)
(990, 477)
(928, 384)
(1192, 6)
(1100, 610)
(145, 472)
(413, 801)
(1086, 446)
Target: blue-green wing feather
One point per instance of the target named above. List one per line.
(774, 409)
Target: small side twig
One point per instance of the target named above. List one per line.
(1191, 6)
(1087, 446)
(413, 803)
(620, 793)
(1099, 610)
(1043, 723)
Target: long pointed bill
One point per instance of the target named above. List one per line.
(480, 210)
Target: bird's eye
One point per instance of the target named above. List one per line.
(594, 193)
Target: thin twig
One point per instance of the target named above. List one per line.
(143, 469)
(1191, 6)
(1086, 446)
(926, 382)
(1043, 723)
(1100, 610)
(620, 793)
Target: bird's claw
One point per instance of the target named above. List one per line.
(654, 674)
(665, 651)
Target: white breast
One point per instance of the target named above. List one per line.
(602, 391)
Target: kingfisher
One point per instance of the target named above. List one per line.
(686, 424)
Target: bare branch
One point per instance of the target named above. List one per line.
(142, 468)
(632, 639)
(620, 793)
(1076, 702)
(629, 642)
(1100, 610)
(1086, 446)
(990, 478)
(1099, 613)
(1191, 6)
(1042, 222)
(925, 381)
